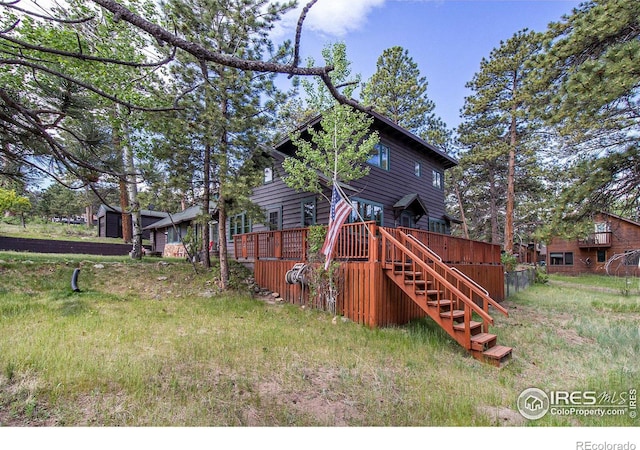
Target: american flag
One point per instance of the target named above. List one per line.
(340, 209)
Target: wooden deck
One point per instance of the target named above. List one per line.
(392, 276)
(273, 253)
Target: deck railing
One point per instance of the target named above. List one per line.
(357, 242)
(408, 255)
(457, 250)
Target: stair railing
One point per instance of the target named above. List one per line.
(464, 278)
(470, 306)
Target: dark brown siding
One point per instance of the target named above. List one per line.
(387, 187)
(379, 186)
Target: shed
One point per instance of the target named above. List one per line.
(110, 221)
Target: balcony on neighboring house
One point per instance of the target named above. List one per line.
(596, 240)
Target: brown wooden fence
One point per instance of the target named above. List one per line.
(354, 244)
(366, 295)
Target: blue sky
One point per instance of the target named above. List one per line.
(446, 38)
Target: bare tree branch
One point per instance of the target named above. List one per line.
(296, 48)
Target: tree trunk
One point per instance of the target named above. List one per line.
(127, 234)
(89, 214)
(511, 175)
(493, 205)
(223, 166)
(206, 199)
(465, 229)
(132, 191)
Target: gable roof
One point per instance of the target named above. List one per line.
(624, 219)
(180, 217)
(411, 202)
(145, 212)
(383, 123)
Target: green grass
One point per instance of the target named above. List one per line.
(148, 344)
(619, 284)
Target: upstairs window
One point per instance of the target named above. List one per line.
(417, 169)
(268, 175)
(438, 179)
(380, 157)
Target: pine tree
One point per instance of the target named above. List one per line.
(398, 91)
(587, 84)
(231, 108)
(497, 131)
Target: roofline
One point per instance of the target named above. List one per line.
(388, 122)
(624, 219)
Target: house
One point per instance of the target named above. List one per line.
(398, 259)
(110, 221)
(168, 235)
(613, 247)
(404, 187)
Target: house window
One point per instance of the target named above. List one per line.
(268, 175)
(407, 220)
(174, 235)
(438, 179)
(380, 157)
(274, 218)
(308, 212)
(561, 259)
(417, 169)
(438, 226)
(239, 224)
(602, 256)
(368, 211)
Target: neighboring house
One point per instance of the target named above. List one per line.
(614, 241)
(404, 187)
(110, 221)
(167, 235)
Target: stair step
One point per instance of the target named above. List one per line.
(408, 273)
(456, 313)
(441, 303)
(472, 324)
(483, 341)
(416, 282)
(497, 354)
(434, 292)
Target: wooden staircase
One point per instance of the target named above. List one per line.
(455, 302)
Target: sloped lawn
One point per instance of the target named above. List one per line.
(154, 344)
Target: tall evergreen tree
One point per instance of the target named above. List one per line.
(231, 108)
(587, 83)
(398, 91)
(497, 130)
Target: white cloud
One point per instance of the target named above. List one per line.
(330, 17)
